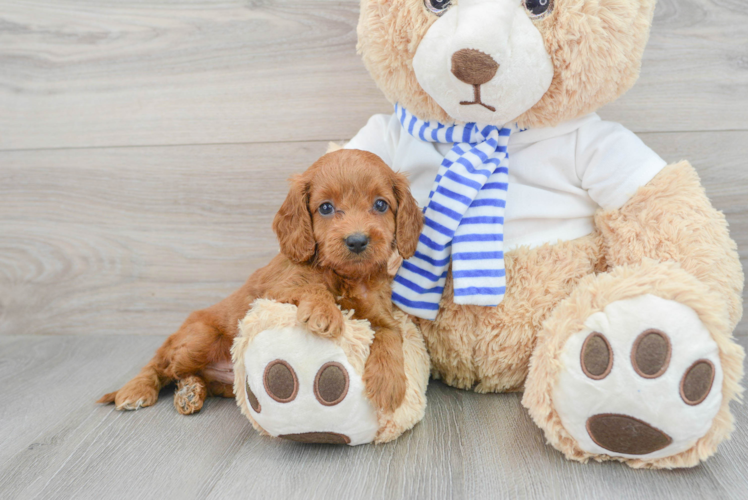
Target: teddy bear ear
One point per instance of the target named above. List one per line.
(409, 218)
(293, 223)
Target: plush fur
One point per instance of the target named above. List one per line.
(317, 272)
(355, 341)
(595, 45)
(488, 349)
(667, 240)
(678, 249)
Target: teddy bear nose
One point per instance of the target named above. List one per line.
(473, 66)
(357, 243)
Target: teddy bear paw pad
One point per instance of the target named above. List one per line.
(641, 380)
(302, 388)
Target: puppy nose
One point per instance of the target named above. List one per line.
(473, 66)
(357, 243)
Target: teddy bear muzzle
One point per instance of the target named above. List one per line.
(455, 59)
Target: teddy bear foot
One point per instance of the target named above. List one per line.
(636, 365)
(303, 388)
(642, 380)
(293, 384)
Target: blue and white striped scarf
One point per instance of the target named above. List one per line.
(464, 219)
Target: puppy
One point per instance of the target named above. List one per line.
(342, 221)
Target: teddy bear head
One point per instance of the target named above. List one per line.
(533, 62)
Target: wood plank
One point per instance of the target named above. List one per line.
(54, 380)
(58, 444)
(694, 73)
(74, 73)
(130, 240)
(424, 463)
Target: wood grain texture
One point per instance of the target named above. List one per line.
(76, 73)
(59, 444)
(130, 240)
(694, 71)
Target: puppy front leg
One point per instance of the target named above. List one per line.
(384, 373)
(318, 310)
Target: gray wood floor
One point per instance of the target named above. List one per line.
(143, 151)
(58, 444)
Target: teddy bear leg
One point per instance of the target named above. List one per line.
(637, 365)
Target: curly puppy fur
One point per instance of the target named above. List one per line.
(595, 46)
(316, 271)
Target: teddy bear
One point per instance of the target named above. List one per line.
(560, 255)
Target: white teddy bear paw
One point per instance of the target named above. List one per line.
(642, 380)
(303, 388)
(293, 384)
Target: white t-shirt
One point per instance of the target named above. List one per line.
(558, 177)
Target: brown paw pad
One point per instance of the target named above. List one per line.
(281, 382)
(318, 437)
(697, 382)
(331, 384)
(650, 355)
(627, 435)
(597, 356)
(253, 402)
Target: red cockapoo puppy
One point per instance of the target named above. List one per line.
(339, 226)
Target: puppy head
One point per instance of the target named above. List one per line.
(351, 211)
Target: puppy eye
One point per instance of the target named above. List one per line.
(437, 7)
(538, 8)
(381, 206)
(326, 209)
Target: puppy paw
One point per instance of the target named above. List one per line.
(385, 384)
(325, 320)
(134, 395)
(190, 395)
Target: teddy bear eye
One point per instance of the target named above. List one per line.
(437, 7)
(380, 206)
(538, 8)
(326, 208)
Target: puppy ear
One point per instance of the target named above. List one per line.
(293, 223)
(409, 218)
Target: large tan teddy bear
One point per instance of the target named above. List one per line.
(561, 256)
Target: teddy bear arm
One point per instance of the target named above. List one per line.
(671, 219)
